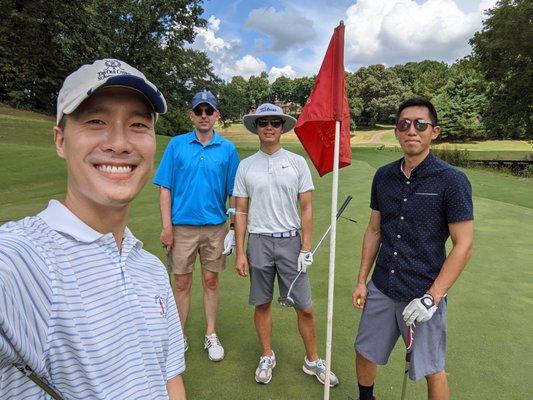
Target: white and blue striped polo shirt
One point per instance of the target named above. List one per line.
(93, 322)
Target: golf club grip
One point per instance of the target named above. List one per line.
(343, 206)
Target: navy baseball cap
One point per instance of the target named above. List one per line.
(205, 96)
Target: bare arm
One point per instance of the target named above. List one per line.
(371, 245)
(167, 236)
(176, 388)
(462, 235)
(241, 222)
(232, 205)
(306, 211)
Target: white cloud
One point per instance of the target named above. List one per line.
(397, 31)
(248, 66)
(276, 72)
(223, 53)
(285, 29)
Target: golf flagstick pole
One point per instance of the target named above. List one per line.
(332, 243)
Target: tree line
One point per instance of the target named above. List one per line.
(486, 95)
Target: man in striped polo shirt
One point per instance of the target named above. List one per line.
(83, 307)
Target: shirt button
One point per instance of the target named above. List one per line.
(395, 253)
(398, 236)
(408, 182)
(404, 199)
(392, 271)
(201, 158)
(401, 217)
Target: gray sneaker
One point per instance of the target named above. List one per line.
(318, 369)
(263, 373)
(215, 351)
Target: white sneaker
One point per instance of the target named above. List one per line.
(214, 348)
(263, 373)
(318, 369)
(185, 345)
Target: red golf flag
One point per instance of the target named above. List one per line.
(326, 104)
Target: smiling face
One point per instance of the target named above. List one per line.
(267, 132)
(414, 142)
(109, 146)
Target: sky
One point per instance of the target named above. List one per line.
(290, 37)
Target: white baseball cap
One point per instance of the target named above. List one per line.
(268, 110)
(83, 82)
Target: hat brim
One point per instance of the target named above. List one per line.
(210, 103)
(153, 95)
(249, 121)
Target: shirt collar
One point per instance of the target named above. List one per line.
(58, 217)
(277, 154)
(420, 168)
(215, 139)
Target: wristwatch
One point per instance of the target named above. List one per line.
(427, 300)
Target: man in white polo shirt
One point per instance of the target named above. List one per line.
(269, 187)
(84, 310)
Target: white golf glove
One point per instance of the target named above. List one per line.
(230, 212)
(229, 242)
(305, 260)
(419, 310)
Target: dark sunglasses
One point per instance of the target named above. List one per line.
(420, 124)
(198, 111)
(275, 123)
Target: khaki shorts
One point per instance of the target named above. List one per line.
(207, 240)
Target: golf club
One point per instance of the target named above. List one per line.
(408, 347)
(288, 301)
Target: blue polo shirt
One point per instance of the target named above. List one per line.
(415, 213)
(200, 178)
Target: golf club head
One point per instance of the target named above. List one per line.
(286, 301)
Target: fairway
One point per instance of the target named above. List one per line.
(490, 338)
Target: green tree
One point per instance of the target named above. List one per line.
(461, 103)
(374, 93)
(302, 89)
(423, 78)
(234, 101)
(504, 51)
(282, 89)
(258, 90)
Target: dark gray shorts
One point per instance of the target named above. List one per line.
(268, 257)
(381, 325)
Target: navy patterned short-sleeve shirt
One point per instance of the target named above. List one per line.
(415, 213)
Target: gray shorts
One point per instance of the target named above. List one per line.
(381, 325)
(268, 257)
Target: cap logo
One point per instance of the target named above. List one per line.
(267, 108)
(113, 67)
(204, 96)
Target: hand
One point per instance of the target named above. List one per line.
(305, 260)
(241, 265)
(229, 242)
(419, 310)
(167, 239)
(230, 211)
(359, 296)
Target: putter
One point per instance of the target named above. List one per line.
(288, 301)
(408, 347)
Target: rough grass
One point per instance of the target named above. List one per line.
(489, 321)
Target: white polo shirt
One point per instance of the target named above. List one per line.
(93, 322)
(273, 183)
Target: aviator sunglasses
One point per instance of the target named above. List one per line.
(420, 124)
(275, 123)
(198, 111)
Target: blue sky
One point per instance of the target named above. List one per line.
(246, 37)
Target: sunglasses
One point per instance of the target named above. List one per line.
(275, 123)
(198, 111)
(420, 124)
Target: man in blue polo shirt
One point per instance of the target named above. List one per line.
(417, 202)
(196, 178)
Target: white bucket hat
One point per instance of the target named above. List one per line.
(268, 110)
(108, 72)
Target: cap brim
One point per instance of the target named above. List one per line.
(205, 102)
(154, 96)
(249, 121)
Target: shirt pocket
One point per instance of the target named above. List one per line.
(427, 206)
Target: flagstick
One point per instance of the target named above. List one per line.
(333, 239)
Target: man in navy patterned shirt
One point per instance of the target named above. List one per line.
(417, 202)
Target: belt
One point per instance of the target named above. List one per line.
(281, 234)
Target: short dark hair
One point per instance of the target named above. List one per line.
(419, 102)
